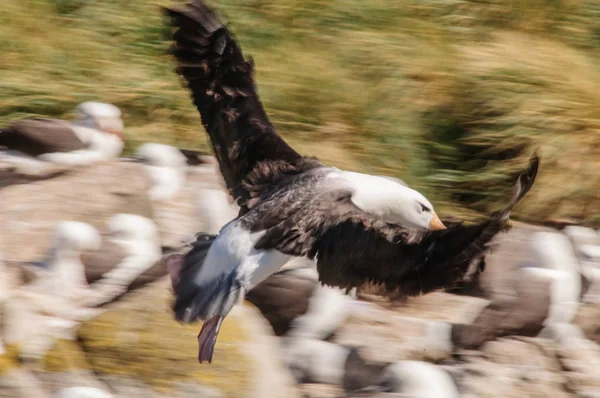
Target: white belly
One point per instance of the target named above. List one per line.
(234, 248)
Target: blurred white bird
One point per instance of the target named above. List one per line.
(33, 145)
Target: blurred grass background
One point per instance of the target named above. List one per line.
(450, 95)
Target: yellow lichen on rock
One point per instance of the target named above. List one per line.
(64, 356)
(9, 359)
(139, 338)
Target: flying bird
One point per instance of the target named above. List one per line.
(360, 228)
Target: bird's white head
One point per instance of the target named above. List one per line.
(72, 237)
(100, 116)
(393, 201)
(414, 211)
(166, 166)
(132, 228)
(161, 155)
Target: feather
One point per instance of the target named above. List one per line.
(220, 79)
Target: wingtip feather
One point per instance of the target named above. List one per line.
(523, 184)
(195, 13)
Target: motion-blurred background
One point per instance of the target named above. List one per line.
(451, 96)
(425, 90)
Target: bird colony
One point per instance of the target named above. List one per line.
(302, 241)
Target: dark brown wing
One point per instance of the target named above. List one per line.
(38, 136)
(99, 262)
(194, 158)
(281, 298)
(522, 315)
(110, 255)
(353, 248)
(223, 90)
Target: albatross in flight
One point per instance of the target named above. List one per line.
(360, 228)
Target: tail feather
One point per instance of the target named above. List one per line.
(200, 296)
(523, 185)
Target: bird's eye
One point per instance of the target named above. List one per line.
(424, 208)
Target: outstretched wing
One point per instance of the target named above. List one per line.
(353, 248)
(211, 63)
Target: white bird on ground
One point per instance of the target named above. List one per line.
(62, 272)
(166, 166)
(83, 392)
(96, 134)
(131, 246)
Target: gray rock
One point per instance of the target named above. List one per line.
(192, 390)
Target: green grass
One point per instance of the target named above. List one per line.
(451, 96)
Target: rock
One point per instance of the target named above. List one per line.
(513, 368)
(321, 391)
(20, 383)
(93, 195)
(65, 366)
(397, 333)
(138, 341)
(83, 392)
(191, 390)
(29, 212)
(16, 169)
(579, 357)
(588, 319)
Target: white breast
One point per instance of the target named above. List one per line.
(109, 146)
(234, 248)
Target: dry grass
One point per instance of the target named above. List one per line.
(448, 95)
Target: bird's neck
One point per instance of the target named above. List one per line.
(68, 267)
(92, 126)
(166, 182)
(85, 132)
(138, 247)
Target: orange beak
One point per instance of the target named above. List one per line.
(106, 128)
(436, 224)
(118, 133)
